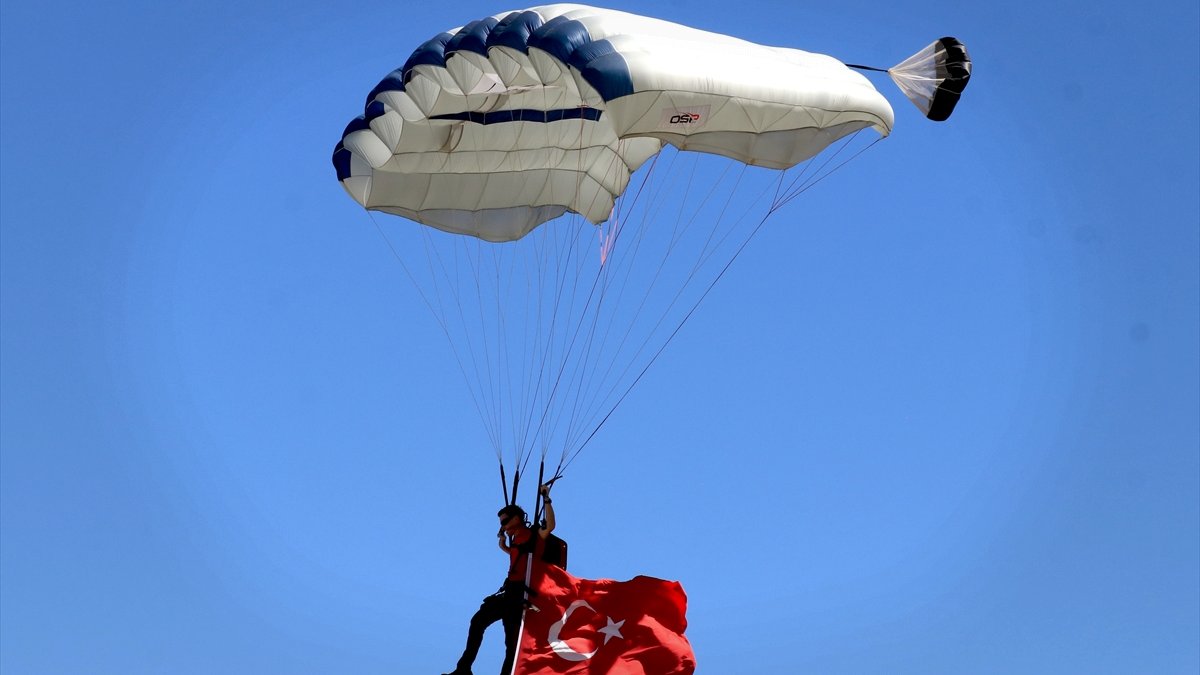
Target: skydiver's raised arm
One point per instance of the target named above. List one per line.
(549, 527)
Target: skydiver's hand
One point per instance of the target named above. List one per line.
(545, 490)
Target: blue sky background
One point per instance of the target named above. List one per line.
(941, 417)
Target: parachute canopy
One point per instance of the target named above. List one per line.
(512, 120)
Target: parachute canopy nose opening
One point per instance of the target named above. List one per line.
(934, 78)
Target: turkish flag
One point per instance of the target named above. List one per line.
(604, 627)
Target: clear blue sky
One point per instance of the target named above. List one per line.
(941, 417)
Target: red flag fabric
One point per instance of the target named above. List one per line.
(604, 627)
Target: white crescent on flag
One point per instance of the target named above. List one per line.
(562, 649)
(611, 630)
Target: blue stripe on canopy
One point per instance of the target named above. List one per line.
(601, 66)
(544, 116)
(514, 30)
(357, 124)
(393, 82)
(472, 37)
(341, 161)
(431, 53)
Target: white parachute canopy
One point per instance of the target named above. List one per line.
(515, 119)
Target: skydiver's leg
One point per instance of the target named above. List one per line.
(490, 611)
(513, 610)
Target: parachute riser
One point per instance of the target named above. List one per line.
(504, 485)
(537, 499)
(870, 68)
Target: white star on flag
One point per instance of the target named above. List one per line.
(612, 630)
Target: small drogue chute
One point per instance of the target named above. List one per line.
(933, 78)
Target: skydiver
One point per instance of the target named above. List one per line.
(516, 538)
